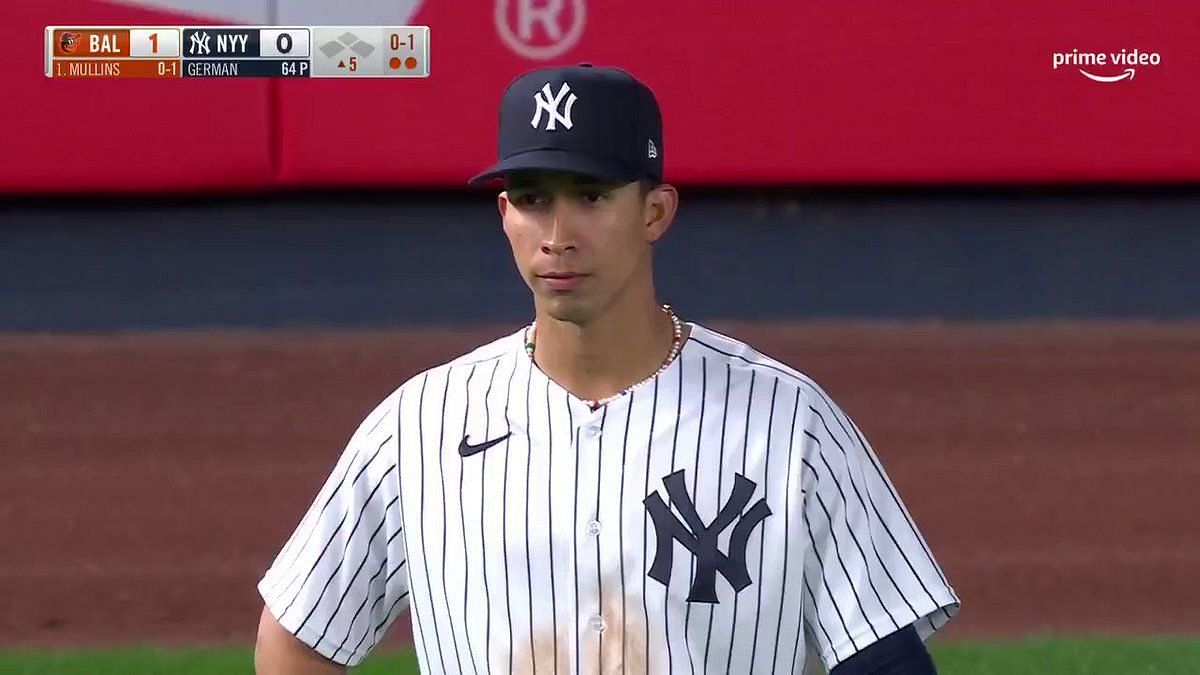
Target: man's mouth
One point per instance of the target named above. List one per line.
(562, 280)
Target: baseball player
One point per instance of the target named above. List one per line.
(610, 489)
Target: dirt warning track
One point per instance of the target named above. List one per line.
(149, 479)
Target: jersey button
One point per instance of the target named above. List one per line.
(593, 527)
(592, 431)
(597, 623)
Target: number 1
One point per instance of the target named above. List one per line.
(154, 42)
(396, 41)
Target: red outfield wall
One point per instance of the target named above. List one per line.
(769, 92)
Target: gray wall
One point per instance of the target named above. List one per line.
(375, 259)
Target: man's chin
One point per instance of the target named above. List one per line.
(566, 307)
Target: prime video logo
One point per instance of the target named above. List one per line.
(1125, 57)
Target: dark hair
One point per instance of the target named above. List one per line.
(646, 185)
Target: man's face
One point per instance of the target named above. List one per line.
(578, 242)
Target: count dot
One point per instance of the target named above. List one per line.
(395, 63)
(410, 63)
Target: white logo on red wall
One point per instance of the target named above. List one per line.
(540, 29)
(1089, 64)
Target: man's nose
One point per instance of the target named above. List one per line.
(560, 232)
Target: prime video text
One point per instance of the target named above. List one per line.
(1130, 57)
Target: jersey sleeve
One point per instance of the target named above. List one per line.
(868, 570)
(341, 579)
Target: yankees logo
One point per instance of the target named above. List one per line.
(549, 102)
(199, 43)
(701, 539)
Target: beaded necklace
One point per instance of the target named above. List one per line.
(676, 343)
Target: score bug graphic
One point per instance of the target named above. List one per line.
(236, 51)
(370, 51)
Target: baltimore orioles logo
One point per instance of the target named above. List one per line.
(68, 41)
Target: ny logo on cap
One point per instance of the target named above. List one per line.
(652, 151)
(550, 102)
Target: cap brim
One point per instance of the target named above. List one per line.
(558, 160)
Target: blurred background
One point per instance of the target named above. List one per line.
(989, 261)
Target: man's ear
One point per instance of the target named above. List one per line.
(502, 202)
(658, 211)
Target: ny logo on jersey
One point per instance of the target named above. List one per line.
(549, 102)
(701, 539)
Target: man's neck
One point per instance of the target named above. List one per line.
(603, 357)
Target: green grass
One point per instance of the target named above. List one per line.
(1090, 656)
(1093, 656)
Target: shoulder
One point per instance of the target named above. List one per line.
(745, 361)
(501, 347)
(485, 356)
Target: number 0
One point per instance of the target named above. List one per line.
(284, 43)
(396, 41)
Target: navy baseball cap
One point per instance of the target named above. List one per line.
(600, 122)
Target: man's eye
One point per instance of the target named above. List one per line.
(529, 199)
(594, 197)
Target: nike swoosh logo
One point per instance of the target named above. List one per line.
(466, 449)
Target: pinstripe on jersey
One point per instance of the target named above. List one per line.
(541, 553)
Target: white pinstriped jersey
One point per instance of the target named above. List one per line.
(726, 517)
